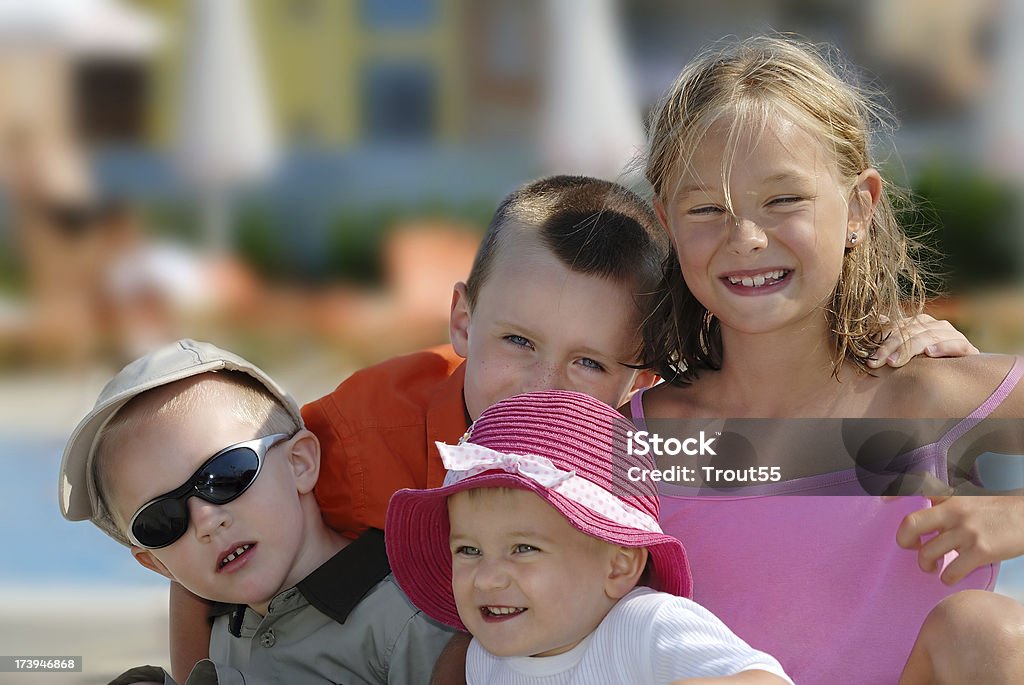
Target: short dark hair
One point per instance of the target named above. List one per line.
(593, 227)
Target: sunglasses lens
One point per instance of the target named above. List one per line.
(227, 476)
(161, 523)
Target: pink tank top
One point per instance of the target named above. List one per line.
(817, 581)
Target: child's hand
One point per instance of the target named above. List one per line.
(982, 529)
(925, 335)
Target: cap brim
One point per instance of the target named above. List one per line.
(75, 501)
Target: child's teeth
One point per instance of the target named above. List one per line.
(758, 280)
(502, 611)
(234, 555)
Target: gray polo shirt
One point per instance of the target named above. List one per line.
(347, 622)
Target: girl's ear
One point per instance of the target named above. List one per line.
(645, 378)
(146, 559)
(867, 190)
(627, 565)
(458, 320)
(304, 460)
(662, 213)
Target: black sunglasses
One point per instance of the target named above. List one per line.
(221, 479)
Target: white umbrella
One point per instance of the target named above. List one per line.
(591, 122)
(1002, 118)
(225, 134)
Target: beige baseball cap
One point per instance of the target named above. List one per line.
(79, 496)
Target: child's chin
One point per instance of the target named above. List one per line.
(501, 648)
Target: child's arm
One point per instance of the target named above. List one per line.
(189, 631)
(925, 335)
(744, 678)
(450, 668)
(143, 675)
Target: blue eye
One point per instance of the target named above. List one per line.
(518, 340)
(591, 364)
(467, 551)
(705, 210)
(523, 547)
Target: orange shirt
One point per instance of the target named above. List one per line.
(377, 431)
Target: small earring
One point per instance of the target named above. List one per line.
(852, 239)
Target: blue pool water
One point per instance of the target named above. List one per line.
(40, 547)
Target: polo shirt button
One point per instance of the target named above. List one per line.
(267, 639)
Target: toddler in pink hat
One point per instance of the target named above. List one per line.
(544, 544)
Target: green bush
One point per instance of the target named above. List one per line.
(262, 243)
(354, 243)
(356, 238)
(348, 247)
(973, 224)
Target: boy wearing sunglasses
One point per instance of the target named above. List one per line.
(199, 463)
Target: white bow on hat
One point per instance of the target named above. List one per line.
(467, 459)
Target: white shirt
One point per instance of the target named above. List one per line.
(647, 637)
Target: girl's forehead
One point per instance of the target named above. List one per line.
(769, 150)
(737, 141)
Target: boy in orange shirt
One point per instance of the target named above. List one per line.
(554, 300)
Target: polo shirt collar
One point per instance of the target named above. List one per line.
(340, 583)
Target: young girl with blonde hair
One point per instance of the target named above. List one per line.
(788, 264)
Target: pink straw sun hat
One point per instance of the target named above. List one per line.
(567, 448)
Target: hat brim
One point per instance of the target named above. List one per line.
(417, 530)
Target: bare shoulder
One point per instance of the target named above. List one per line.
(953, 387)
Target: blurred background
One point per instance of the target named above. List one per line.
(303, 181)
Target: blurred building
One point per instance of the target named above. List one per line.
(346, 74)
(438, 102)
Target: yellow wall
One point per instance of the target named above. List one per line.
(313, 62)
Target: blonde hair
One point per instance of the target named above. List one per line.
(245, 398)
(745, 85)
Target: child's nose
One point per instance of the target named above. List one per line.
(491, 574)
(544, 376)
(746, 236)
(206, 517)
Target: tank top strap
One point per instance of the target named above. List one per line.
(1003, 391)
(636, 409)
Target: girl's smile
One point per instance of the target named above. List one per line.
(756, 282)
